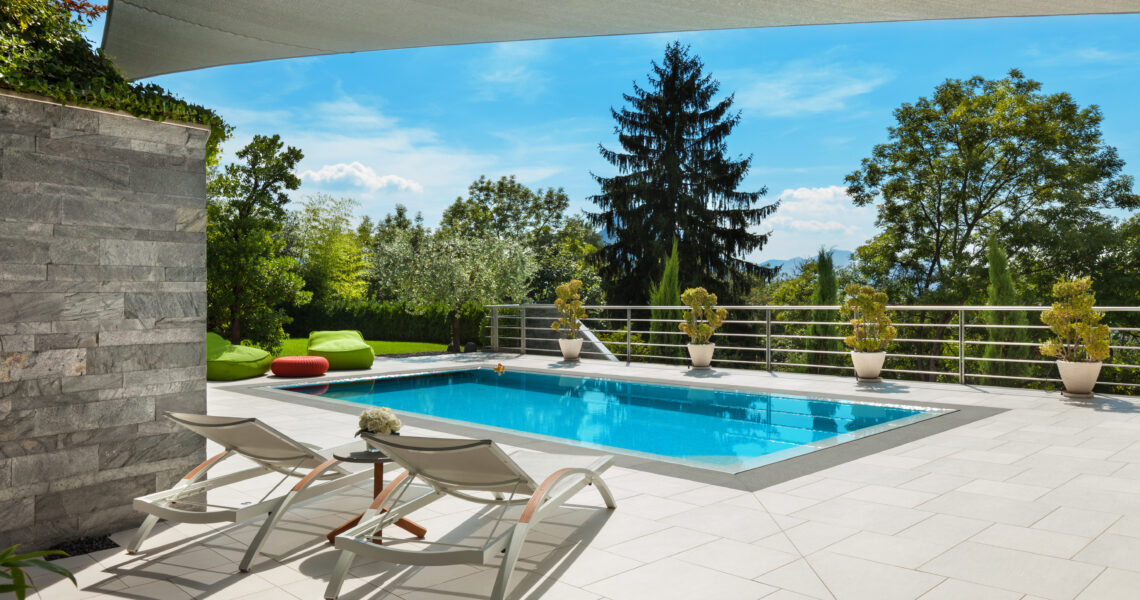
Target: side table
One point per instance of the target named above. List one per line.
(377, 460)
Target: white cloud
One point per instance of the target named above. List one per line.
(812, 217)
(805, 87)
(361, 175)
(509, 69)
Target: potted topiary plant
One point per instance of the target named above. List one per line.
(569, 306)
(701, 321)
(872, 331)
(1082, 340)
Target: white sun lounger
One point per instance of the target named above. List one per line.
(476, 471)
(272, 452)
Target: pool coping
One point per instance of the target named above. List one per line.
(829, 453)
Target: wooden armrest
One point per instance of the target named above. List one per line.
(313, 474)
(206, 464)
(543, 490)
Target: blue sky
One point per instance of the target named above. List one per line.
(417, 126)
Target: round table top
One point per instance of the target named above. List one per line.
(363, 456)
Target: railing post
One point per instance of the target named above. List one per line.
(522, 329)
(628, 338)
(768, 337)
(495, 328)
(961, 346)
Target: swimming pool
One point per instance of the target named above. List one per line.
(724, 430)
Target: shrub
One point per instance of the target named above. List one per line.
(703, 317)
(866, 308)
(394, 322)
(44, 52)
(569, 306)
(1081, 337)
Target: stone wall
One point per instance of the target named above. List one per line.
(102, 314)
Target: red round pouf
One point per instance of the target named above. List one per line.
(299, 366)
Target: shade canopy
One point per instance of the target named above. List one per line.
(153, 37)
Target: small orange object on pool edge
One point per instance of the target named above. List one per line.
(500, 369)
(299, 366)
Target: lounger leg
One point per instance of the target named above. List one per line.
(338, 574)
(514, 547)
(604, 490)
(262, 534)
(142, 533)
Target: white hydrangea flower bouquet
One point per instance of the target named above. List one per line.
(379, 420)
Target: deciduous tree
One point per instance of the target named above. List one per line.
(248, 279)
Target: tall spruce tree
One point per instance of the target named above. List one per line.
(675, 179)
(1001, 292)
(666, 293)
(826, 293)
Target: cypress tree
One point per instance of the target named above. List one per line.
(675, 180)
(1001, 292)
(826, 292)
(666, 293)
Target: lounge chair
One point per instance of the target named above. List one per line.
(344, 349)
(272, 452)
(476, 471)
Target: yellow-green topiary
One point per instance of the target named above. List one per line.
(703, 317)
(866, 309)
(569, 304)
(1081, 337)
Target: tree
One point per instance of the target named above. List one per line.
(675, 179)
(248, 279)
(562, 245)
(330, 255)
(985, 159)
(666, 293)
(441, 268)
(826, 293)
(1001, 292)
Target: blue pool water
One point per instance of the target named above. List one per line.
(724, 430)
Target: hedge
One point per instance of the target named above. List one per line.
(388, 321)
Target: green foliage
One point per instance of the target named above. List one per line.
(569, 306)
(15, 580)
(984, 159)
(330, 254)
(667, 292)
(1081, 337)
(1001, 292)
(866, 308)
(562, 246)
(615, 342)
(703, 317)
(43, 51)
(825, 293)
(392, 321)
(676, 179)
(248, 280)
(441, 268)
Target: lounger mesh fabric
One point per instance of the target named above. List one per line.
(477, 471)
(343, 349)
(227, 362)
(271, 451)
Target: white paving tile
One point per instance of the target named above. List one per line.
(1045, 576)
(673, 579)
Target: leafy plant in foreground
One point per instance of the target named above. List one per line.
(866, 308)
(1081, 337)
(12, 567)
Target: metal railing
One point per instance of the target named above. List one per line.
(963, 344)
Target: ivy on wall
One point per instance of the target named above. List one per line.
(43, 51)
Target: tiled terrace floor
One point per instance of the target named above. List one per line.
(1039, 502)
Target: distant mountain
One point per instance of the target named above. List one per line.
(790, 265)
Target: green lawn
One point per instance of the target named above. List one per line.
(296, 347)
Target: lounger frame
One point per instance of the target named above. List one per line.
(389, 506)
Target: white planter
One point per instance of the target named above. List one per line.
(701, 354)
(570, 348)
(1079, 377)
(868, 364)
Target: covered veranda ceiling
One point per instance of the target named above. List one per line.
(153, 37)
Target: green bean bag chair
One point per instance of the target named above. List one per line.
(343, 349)
(227, 362)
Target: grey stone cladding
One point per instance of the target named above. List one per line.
(102, 314)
